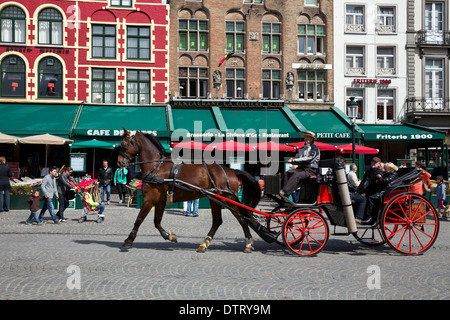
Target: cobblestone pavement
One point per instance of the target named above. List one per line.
(38, 262)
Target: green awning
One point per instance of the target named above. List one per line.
(28, 119)
(266, 123)
(103, 121)
(327, 124)
(94, 143)
(400, 132)
(194, 122)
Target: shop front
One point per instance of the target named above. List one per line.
(29, 119)
(404, 144)
(105, 123)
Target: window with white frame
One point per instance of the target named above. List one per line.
(50, 24)
(254, 1)
(50, 78)
(120, 3)
(235, 83)
(138, 43)
(354, 60)
(103, 41)
(310, 39)
(138, 87)
(385, 104)
(354, 19)
(193, 34)
(12, 25)
(386, 19)
(311, 85)
(386, 61)
(434, 83)
(13, 77)
(271, 79)
(193, 82)
(311, 3)
(434, 22)
(103, 85)
(358, 95)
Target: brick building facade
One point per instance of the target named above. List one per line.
(282, 50)
(110, 51)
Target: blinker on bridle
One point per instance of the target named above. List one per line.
(127, 159)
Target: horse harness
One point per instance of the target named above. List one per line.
(173, 182)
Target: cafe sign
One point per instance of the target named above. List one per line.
(333, 135)
(107, 132)
(371, 81)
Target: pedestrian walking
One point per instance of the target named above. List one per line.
(5, 185)
(34, 201)
(120, 181)
(105, 177)
(440, 194)
(63, 189)
(50, 190)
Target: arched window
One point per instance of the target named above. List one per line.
(12, 25)
(50, 27)
(50, 78)
(13, 77)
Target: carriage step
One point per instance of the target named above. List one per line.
(341, 233)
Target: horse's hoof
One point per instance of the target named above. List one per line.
(126, 246)
(248, 250)
(201, 249)
(173, 238)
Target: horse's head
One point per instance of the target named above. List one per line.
(128, 149)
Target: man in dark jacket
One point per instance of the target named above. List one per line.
(367, 187)
(63, 187)
(105, 176)
(374, 201)
(307, 161)
(5, 186)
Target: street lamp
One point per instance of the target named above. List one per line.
(352, 111)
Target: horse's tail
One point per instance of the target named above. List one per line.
(251, 190)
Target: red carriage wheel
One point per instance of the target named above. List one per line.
(305, 232)
(275, 224)
(409, 223)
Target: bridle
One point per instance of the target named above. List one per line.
(127, 158)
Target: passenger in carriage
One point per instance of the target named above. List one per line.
(307, 161)
(368, 184)
(359, 200)
(374, 201)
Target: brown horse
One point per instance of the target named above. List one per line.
(155, 163)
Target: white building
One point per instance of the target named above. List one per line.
(370, 58)
(428, 64)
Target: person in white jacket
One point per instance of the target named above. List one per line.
(49, 191)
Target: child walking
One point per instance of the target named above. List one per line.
(440, 194)
(34, 200)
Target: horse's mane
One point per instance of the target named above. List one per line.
(153, 139)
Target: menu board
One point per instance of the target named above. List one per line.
(78, 162)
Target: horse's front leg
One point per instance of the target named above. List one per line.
(159, 212)
(146, 207)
